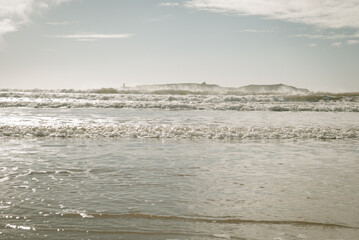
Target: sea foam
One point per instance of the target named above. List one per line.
(177, 132)
(19, 106)
(241, 102)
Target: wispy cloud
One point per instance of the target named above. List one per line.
(59, 23)
(257, 31)
(329, 36)
(168, 4)
(313, 44)
(320, 13)
(352, 42)
(7, 25)
(336, 44)
(95, 36)
(16, 13)
(341, 39)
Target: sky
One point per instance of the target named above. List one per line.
(83, 44)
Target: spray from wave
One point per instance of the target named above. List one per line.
(186, 96)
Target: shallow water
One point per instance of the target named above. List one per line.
(146, 166)
(182, 189)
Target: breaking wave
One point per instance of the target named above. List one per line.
(181, 100)
(177, 132)
(252, 98)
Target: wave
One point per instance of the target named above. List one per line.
(177, 132)
(203, 88)
(319, 102)
(187, 89)
(274, 88)
(112, 93)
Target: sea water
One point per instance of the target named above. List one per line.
(149, 166)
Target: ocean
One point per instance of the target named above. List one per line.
(178, 164)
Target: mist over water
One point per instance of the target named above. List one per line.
(178, 165)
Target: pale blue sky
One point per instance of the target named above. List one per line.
(104, 43)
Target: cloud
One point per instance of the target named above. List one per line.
(336, 44)
(352, 42)
(16, 13)
(321, 13)
(341, 37)
(7, 25)
(329, 36)
(313, 45)
(95, 36)
(59, 23)
(256, 31)
(168, 4)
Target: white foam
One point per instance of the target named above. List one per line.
(178, 132)
(222, 235)
(4, 179)
(85, 215)
(264, 102)
(82, 213)
(86, 116)
(19, 227)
